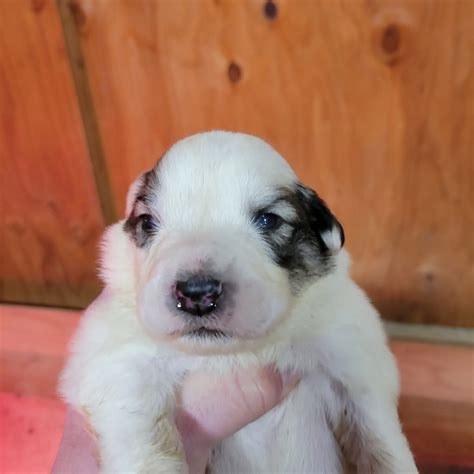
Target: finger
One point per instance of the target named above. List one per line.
(212, 408)
(77, 453)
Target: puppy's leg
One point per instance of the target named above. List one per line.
(130, 410)
(369, 434)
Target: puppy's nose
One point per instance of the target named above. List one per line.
(197, 295)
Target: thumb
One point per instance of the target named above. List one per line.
(213, 408)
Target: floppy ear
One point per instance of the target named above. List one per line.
(322, 222)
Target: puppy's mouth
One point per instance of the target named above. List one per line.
(204, 333)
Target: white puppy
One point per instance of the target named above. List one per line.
(226, 260)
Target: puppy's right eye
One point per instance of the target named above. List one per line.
(267, 221)
(148, 223)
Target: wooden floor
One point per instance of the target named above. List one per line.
(30, 430)
(436, 406)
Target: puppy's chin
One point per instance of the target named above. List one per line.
(207, 342)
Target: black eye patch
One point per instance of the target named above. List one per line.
(141, 224)
(297, 243)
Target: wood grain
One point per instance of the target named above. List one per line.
(368, 99)
(69, 17)
(50, 214)
(437, 381)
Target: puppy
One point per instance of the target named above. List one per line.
(226, 260)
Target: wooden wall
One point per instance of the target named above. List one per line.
(370, 101)
(50, 218)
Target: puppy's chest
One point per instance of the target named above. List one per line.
(293, 437)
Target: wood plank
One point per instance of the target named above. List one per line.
(430, 333)
(440, 432)
(437, 381)
(436, 371)
(437, 403)
(33, 347)
(367, 99)
(51, 218)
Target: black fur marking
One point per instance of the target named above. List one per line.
(141, 225)
(319, 216)
(297, 244)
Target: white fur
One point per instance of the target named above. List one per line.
(332, 239)
(129, 354)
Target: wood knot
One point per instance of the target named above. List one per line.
(234, 72)
(391, 35)
(37, 5)
(389, 44)
(391, 39)
(428, 277)
(270, 10)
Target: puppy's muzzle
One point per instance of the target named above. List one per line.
(198, 295)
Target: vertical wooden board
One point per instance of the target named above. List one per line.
(50, 214)
(367, 99)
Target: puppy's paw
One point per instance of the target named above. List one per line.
(159, 453)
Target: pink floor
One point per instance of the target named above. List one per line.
(31, 428)
(30, 431)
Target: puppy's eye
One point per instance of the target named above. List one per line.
(148, 223)
(267, 221)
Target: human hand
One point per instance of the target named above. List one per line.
(209, 410)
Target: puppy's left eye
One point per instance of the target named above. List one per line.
(267, 221)
(148, 223)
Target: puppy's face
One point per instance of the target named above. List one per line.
(225, 238)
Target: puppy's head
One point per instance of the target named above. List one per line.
(224, 238)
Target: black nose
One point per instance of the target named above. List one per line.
(197, 295)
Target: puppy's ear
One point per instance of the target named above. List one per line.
(132, 194)
(320, 219)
